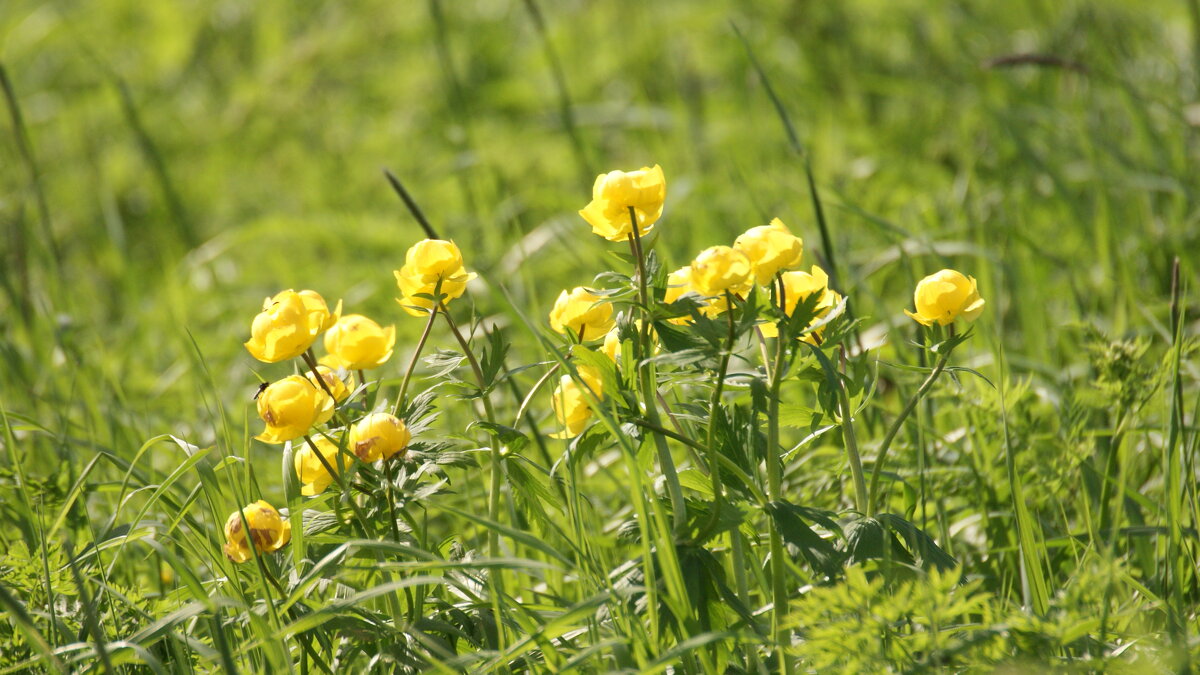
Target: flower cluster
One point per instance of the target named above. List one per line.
(316, 403)
(626, 205)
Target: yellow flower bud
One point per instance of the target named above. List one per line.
(800, 286)
(336, 385)
(945, 296)
(612, 344)
(291, 407)
(771, 249)
(434, 258)
(311, 470)
(288, 325)
(358, 343)
(580, 313)
(268, 529)
(612, 341)
(571, 405)
(615, 192)
(718, 269)
(428, 262)
(379, 436)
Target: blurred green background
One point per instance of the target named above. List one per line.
(195, 156)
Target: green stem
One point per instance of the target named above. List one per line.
(412, 363)
(729, 464)
(861, 500)
(774, 462)
(496, 576)
(714, 404)
(367, 531)
(646, 380)
(881, 457)
(311, 361)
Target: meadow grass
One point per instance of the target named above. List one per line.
(164, 166)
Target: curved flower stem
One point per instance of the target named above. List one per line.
(881, 456)
(412, 363)
(537, 386)
(646, 381)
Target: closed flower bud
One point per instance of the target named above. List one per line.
(358, 343)
(289, 324)
(435, 258)
(771, 249)
(378, 436)
(718, 269)
(945, 296)
(312, 472)
(800, 287)
(269, 531)
(335, 384)
(291, 407)
(615, 192)
(580, 313)
(428, 263)
(572, 406)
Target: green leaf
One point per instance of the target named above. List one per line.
(818, 551)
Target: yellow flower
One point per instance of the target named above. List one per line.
(358, 343)
(800, 286)
(718, 269)
(268, 529)
(944, 296)
(291, 407)
(428, 262)
(311, 471)
(679, 283)
(580, 313)
(337, 387)
(771, 249)
(379, 436)
(612, 340)
(615, 192)
(288, 325)
(612, 344)
(571, 404)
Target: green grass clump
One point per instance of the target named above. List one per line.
(1014, 495)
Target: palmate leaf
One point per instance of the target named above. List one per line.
(925, 551)
(819, 552)
(866, 537)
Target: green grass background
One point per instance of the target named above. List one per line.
(195, 156)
